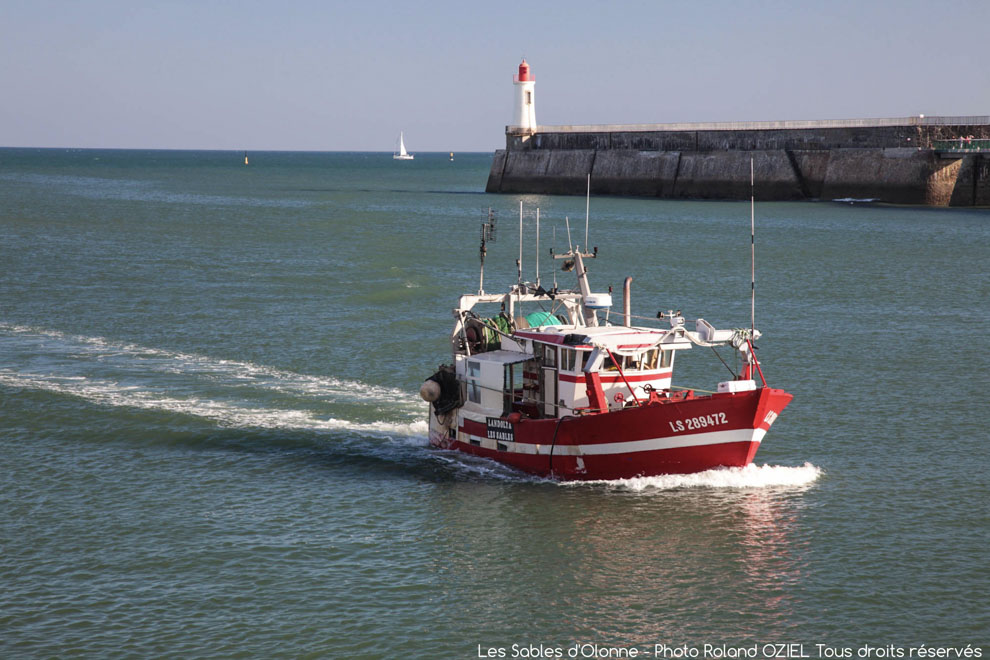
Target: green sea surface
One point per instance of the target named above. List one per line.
(211, 443)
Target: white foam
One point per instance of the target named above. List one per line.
(856, 200)
(225, 414)
(750, 476)
(477, 466)
(162, 361)
(112, 373)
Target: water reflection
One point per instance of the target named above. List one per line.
(619, 566)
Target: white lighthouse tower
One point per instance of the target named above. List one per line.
(525, 117)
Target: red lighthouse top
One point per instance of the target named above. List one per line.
(524, 74)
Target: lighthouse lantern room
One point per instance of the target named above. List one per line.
(525, 115)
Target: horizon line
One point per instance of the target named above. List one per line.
(249, 150)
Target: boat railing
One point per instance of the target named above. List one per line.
(531, 407)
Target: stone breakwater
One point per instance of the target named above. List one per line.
(901, 161)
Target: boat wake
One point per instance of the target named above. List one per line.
(229, 393)
(750, 476)
(238, 394)
(856, 200)
(476, 467)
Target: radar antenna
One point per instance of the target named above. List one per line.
(487, 236)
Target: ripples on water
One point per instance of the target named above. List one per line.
(212, 443)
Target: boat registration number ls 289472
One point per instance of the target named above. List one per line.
(701, 422)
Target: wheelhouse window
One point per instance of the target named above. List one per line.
(650, 358)
(514, 386)
(549, 356)
(568, 359)
(473, 387)
(647, 361)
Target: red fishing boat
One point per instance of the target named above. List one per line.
(552, 383)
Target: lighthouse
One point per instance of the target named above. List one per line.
(525, 117)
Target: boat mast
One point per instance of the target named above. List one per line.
(752, 249)
(582, 277)
(587, 209)
(519, 260)
(575, 259)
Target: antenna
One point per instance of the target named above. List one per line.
(752, 247)
(553, 245)
(519, 260)
(587, 209)
(537, 246)
(570, 247)
(487, 235)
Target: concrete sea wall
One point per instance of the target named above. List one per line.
(895, 160)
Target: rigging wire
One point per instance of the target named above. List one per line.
(723, 362)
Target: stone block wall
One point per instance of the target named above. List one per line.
(895, 164)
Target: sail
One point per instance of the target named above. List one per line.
(402, 154)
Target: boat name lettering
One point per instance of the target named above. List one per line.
(700, 422)
(501, 429)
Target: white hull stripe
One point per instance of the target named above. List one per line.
(653, 444)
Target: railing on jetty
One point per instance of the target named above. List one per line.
(977, 120)
(961, 146)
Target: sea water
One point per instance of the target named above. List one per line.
(211, 442)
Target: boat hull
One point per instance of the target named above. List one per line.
(662, 437)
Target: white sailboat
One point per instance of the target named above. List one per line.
(402, 154)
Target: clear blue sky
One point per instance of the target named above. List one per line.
(309, 75)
